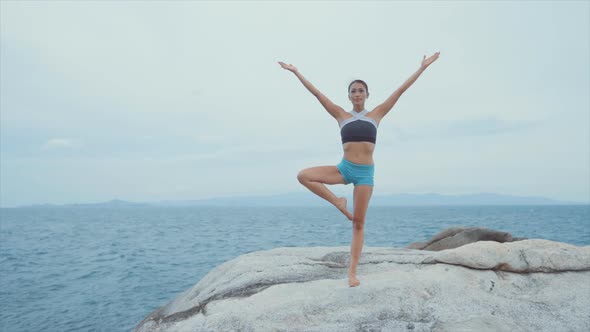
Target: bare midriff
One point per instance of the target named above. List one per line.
(359, 152)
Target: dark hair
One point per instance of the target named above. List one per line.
(361, 82)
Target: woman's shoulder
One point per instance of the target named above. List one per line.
(343, 116)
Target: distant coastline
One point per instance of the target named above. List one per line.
(309, 199)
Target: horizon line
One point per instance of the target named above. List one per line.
(556, 201)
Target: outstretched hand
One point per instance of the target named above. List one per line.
(289, 67)
(428, 61)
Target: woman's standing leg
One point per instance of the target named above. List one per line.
(362, 195)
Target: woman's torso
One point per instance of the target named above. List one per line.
(361, 151)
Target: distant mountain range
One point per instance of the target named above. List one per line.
(310, 199)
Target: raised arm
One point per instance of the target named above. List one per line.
(336, 111)
(381, 110)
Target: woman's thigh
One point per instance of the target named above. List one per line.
(323, 174)
(361, 196)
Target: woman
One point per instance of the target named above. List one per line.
(358, 129)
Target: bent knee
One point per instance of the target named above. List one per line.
(358, 223)
(302, 176)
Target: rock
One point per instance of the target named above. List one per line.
(529, 285)
(456, 237)
(523, 257)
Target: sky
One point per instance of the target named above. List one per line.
(151, 100)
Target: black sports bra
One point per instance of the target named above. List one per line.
(359, 128)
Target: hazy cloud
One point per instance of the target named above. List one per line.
(463, 128)
(60, 143)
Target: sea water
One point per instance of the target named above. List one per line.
(105, 269)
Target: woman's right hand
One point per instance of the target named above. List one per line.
(289, 67)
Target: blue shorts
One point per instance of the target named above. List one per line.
(358, 174)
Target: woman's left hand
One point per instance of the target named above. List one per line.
(428, 61)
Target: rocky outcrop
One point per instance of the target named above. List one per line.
(528, 285)
(455, 237)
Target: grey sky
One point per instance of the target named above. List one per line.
(154, 100)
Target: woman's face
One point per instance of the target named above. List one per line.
(357, 94)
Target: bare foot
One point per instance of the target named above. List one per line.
(341, 205)
(353, 281)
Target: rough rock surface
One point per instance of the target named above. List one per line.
(528, 285)
(456, 236)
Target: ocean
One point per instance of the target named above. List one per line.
(105, 269)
